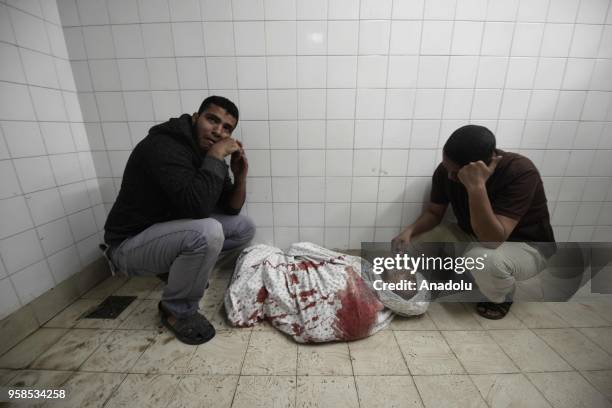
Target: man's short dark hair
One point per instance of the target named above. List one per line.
(221, 102)
(470, 143)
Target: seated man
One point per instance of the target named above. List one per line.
(178, 209)
(497, 197)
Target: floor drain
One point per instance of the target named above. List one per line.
(111, 307)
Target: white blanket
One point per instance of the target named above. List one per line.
(310, 293)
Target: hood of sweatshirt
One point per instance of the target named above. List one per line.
(180, 129)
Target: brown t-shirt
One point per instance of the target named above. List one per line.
(515, 190)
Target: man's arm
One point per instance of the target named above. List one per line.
(489, 227)
(240, 167)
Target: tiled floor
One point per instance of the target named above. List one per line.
(540, 355)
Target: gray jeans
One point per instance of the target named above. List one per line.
(187, 249)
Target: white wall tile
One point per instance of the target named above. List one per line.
(432, 71)
(9, 302)
(467, 37)
(284, 162)
(282, 104)
(15, 102)
(29, 30)
(311, 214)
(280, 9)
(338, 189)
(527, 38)
(436, 38)
(250, 38)
(440, 9)
(338, 162)
(23, 139)
(280, 37)
(32, 281)
(310, 162)
(341, 103)
(34, 173)
(366, 162)
(405, 37)
(374, 37)
(39, 69)
(45, 205)
(311, 37)
(312, 189)
(311, 71)
(284, 189)
(21, 250)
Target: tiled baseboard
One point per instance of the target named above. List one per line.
(30, 317)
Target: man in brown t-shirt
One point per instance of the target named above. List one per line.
(499, 202)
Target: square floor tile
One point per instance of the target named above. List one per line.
(119, 351)
(157, 292)
(537, 315)
(570, 389)
(452, 316)
(601, 380)
(223, 354)
(478, 352)
(600, 335)
(31, 347)
(510, 321)
(377, 355)
(576, 349)
(324, 359)
(387, 391)
(427, 353)
(602, 307)
(106, 287)
(88, 390)
(578, 315)
(71, 350)
(83, 323)
(166, 355)
(421, 322)
(144, 316)
(6, 375)
(138, 286)
(270, 353)
(40, 378)
(323, 391)
(196, 391)
(448, 391)
(509, 390)
(144, 390)
(265, 391)
(69, 317)
(528, 351)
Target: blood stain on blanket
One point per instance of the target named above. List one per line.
(262, 294)
(305, 293)
(294, 279)
(359, 308)
(297, 329)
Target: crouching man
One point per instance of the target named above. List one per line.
(499, 202)
(177, 209)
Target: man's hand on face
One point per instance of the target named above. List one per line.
(475, 174)
(224, 147)
(239, 163)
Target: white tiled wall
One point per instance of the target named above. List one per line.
(346, 103)
(51, 210)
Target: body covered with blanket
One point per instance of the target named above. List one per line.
(310, 293)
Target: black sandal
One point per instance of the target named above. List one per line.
(193, 330)
(493, 311)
